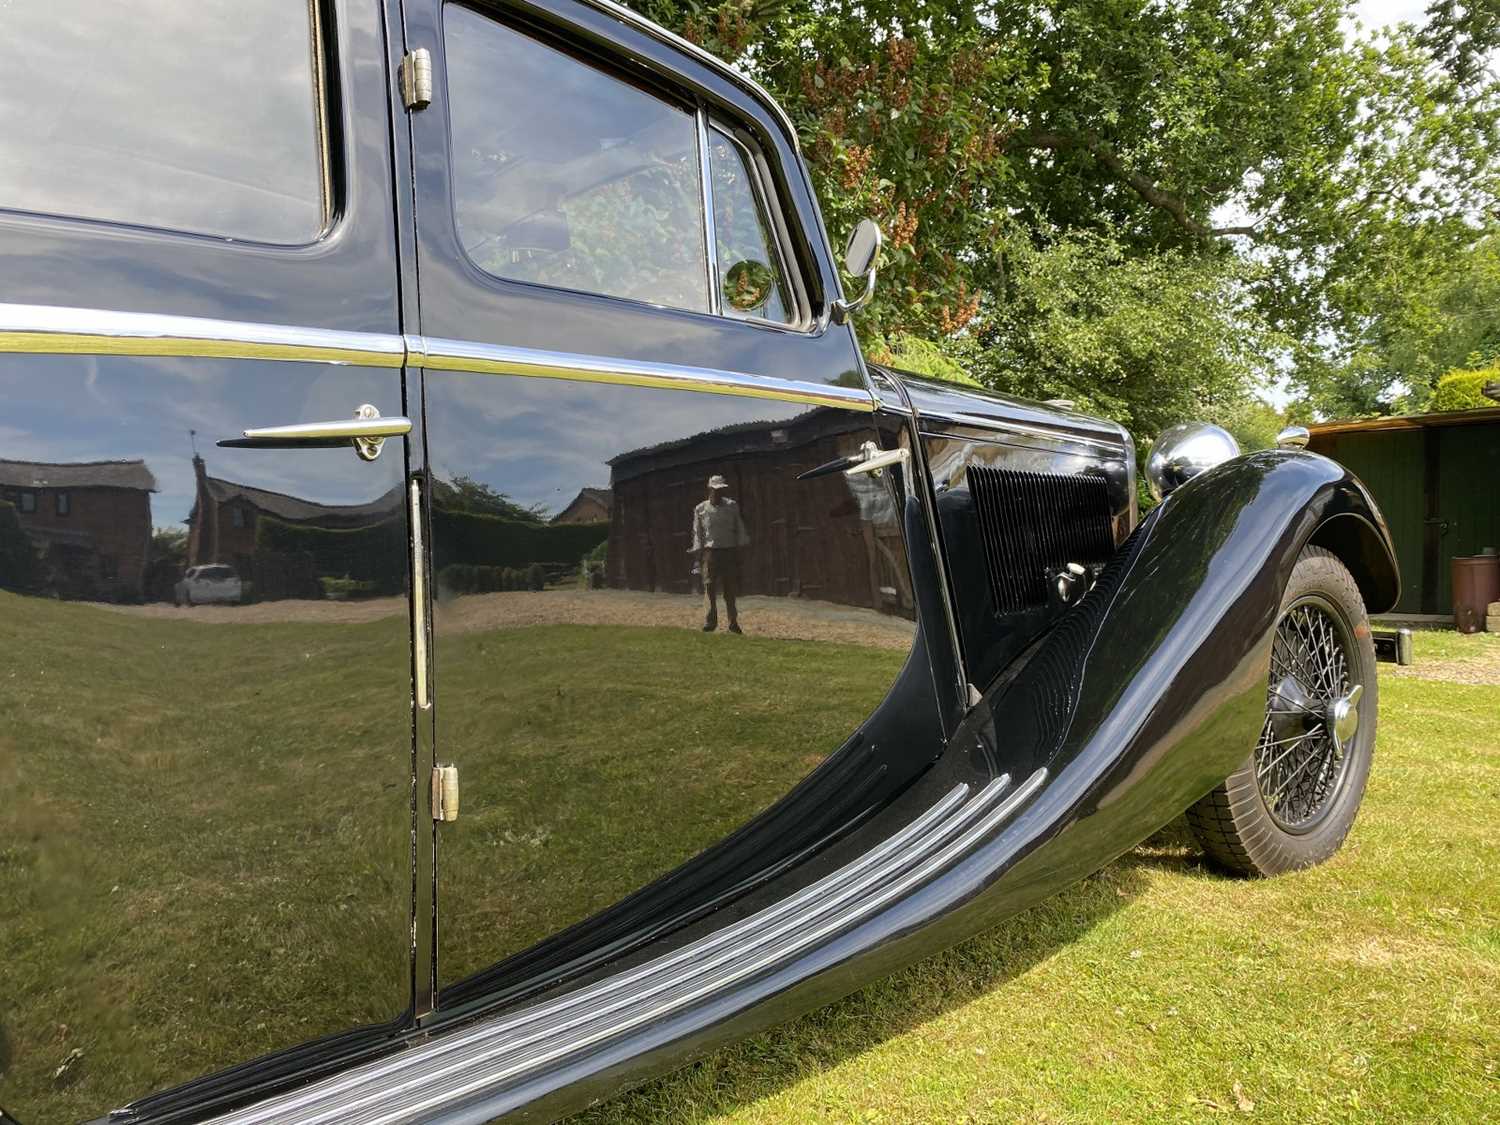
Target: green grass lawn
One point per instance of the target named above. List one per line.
(205, 828)
(1366, 989)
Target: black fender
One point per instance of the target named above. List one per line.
(1137, 702)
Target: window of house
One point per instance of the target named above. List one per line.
(589, 182)
(109, 567)
(64, 503)
(201, 117)
(237, 516)
(28, 501)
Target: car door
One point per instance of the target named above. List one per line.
(659, 628)
(205, 832)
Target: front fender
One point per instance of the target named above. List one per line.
(1153, 690)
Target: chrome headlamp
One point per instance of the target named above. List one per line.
(1185, 450)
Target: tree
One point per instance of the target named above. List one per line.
(465, 494)
(1249, 137)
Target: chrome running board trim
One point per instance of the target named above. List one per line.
(451, 1068)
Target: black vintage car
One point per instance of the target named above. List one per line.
(619, 663)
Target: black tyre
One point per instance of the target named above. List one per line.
(1294, 800)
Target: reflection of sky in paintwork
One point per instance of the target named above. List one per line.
(89, 408)
(540, 440)
(184, 115)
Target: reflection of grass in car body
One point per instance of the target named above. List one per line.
(596, 758)
(195, 838)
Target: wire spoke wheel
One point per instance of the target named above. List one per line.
(1299, 763)
(1292, 801)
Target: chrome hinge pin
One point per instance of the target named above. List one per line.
(416, 79)
(445, 793)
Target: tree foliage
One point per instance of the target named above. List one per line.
(1246, 153)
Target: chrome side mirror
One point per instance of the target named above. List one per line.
(1185, 450)
(861, 256)
(1293, 437)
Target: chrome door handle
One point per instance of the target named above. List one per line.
(366, 431)
(869, 459)
(875, 459)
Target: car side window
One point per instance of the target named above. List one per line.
(107, 115)
(751, 278)
(564, 175)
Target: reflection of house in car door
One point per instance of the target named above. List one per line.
(225, 526)
(87, 522)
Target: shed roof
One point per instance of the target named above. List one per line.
(77, 474)
(1409, 422)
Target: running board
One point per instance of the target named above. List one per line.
(442, 1073)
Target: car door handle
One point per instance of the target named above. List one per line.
(366, 432)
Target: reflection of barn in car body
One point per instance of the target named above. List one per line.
(591, 505)
(826, 538)
(88, 522)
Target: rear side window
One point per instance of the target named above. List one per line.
(203, 117)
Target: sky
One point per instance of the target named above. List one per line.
(1378, 13)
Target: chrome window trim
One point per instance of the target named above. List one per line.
(59, 330)
(710, 229)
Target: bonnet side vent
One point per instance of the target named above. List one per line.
(1033, 524)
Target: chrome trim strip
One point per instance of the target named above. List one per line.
(58, 330)
(999, 428)
(485, 1055)
(418, 601)
(500, 359)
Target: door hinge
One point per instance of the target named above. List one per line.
(416, 79)
(445, 792)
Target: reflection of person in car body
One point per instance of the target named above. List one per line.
(718, 534)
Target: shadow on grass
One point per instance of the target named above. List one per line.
(771, 1061)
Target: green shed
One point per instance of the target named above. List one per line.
(1436, 478)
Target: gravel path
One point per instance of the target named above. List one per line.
(783, 618)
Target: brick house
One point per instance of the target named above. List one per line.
(88, 522)
(226, 515)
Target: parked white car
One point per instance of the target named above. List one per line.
(202, 585)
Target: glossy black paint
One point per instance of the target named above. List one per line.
(618, 471)
(1132, 731)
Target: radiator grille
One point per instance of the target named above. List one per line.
(1034, 523)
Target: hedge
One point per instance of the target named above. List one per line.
(1463, 390)
(18, 563)
(377, 553)
(480, 540)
